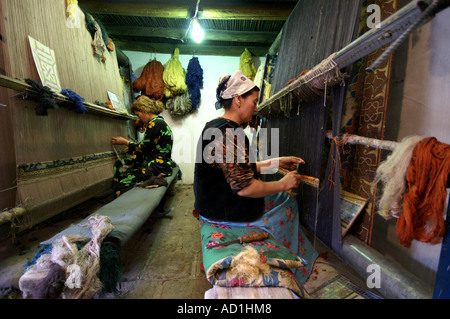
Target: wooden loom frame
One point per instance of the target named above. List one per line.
(390, 29)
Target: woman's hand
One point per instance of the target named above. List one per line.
(290, 162)
(290, 180)
(119, 140)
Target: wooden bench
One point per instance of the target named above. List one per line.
(128, 212)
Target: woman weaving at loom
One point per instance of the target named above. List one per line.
(151, 157)
(228, 192)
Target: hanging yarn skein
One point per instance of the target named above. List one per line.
(99, 45)
(151, 81)
(194, 81)
(75, 98)
(45, 97)
(67, 271)
(179, 105)
(246, 64)
(173, 76)
(392, 174)
(423, 203)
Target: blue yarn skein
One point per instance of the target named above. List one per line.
(194, 81)
(74, 97)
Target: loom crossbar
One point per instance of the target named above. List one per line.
(390, 29)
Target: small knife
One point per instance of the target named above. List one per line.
(243, 239)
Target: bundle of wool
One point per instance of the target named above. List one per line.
(45, 97)
(173, 76)
(45, 275)
(90, 25)
(246, 64)
(44, 280)
(423, 203)
(179, 105)
(86, 264)
(392, 174)
(151, 81)
(75, 98)
(259, 76)
(71, 10)
(99, 45)
(194, 81)
(80, 267)
(247, 265)
(110, 264)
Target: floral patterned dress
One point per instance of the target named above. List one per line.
(281, 220)
(151, 157)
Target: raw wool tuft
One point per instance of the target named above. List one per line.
(248, 265)
(246, 64)
(99, 45)
(392, 174)
(88, 260)
(194, 81)
(259, 76)
(79, 267)
(173, 76)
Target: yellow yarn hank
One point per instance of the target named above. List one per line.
(173, 76)
(246, 65)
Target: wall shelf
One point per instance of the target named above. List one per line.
(21, 86)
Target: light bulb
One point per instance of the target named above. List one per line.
(197, 32)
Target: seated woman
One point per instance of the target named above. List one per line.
(151, 157)
(226, 185)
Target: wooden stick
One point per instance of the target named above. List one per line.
(11, 214)
(309, 180)
(362, 140)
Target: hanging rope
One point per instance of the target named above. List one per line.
(339, 144)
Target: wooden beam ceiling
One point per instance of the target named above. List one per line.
(165, 39)
(178, 34)
(190, 48)
(212, 9)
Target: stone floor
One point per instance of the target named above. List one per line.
(162, 260)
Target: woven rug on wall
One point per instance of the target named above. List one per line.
(365, 115)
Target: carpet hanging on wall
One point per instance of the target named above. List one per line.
(365, 115)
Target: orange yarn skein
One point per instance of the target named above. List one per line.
(424, 200)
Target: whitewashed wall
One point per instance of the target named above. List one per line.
(419, 104)
(187, 130)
